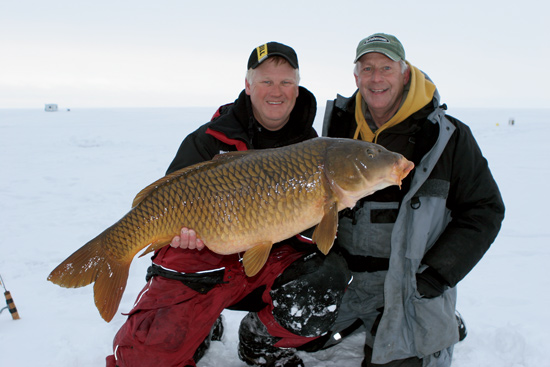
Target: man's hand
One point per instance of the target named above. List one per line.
(430, 284)
(187, 240)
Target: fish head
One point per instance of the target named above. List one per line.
(356, 169)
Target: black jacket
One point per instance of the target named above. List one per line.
(235, 128)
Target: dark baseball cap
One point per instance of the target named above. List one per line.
(267, 50)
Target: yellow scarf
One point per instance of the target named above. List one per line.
(421, 91)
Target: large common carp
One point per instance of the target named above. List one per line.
(237, 202)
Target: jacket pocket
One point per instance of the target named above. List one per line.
(434, 323)
(372, 231)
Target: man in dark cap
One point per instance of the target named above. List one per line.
(291, 301)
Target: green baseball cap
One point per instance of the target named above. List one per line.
(382, 43)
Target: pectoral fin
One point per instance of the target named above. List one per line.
(326, 230)
(157, 244)
(255, 258)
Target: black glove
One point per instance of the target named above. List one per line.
(430, 284)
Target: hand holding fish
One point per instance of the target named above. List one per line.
(187, 240)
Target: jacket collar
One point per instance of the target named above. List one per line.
(297, 129)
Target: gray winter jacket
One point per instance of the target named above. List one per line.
(446, 220)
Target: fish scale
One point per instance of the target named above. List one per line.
(237, 202)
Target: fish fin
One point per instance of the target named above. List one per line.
(255, 258)
(218, 159)
(161, 181)
(156, 244)
(91, 263)
(109, 288)
(325, 232)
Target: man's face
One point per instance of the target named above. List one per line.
(381, 84)
(273, 92)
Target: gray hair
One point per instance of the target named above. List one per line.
(277, 60)
(404, 67)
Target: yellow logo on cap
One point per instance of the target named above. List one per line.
(262, 52)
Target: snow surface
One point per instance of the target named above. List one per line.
(66, 176)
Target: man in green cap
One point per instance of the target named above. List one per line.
(408, 248)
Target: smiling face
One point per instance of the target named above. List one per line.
(381, 84)
(273, 90)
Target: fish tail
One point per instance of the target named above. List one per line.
(91, 263)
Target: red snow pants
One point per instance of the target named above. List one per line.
(170, 320)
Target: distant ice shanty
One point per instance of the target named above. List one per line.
(50, 107)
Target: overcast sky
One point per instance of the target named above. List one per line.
(177, 53)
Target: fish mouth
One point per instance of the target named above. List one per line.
(400, 170)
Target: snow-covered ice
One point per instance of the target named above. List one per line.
(66, 176)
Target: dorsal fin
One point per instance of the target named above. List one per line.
(161, 181)
(218, 159)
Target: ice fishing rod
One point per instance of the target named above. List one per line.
(9, 301)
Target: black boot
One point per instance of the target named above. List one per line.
(216, 334)
(256, 346)
(462, 332)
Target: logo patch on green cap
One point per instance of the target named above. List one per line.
(382, 43)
